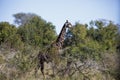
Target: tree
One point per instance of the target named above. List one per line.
(23, 18)
(34, 30)
(8, 35)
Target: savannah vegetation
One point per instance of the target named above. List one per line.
(93, 49)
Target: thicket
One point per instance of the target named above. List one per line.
(19, 45)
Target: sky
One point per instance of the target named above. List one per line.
(58, 11)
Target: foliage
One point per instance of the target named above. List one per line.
(91, 51)
(9, 36)
(91, 42)
(97, 42)
(36, 31)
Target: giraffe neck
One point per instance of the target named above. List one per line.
(61, 37)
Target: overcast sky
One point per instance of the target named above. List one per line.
(57, 11)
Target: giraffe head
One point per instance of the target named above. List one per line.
(67, 24)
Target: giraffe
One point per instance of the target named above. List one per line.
(56, 46)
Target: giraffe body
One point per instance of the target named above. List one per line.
(51, 54)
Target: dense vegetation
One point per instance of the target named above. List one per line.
(93, 49)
